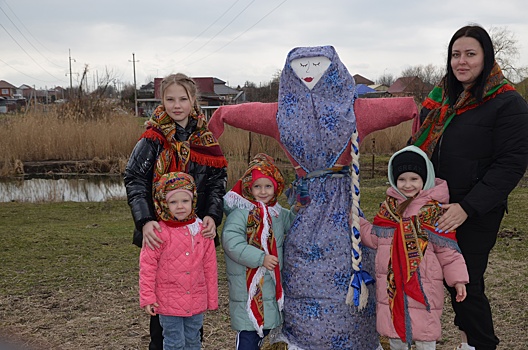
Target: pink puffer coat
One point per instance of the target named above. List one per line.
(181, 276)
(440, 262)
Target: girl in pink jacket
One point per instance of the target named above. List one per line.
(412, 259)
(179, 279)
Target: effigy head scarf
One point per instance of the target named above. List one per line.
(316, 125)
(168, 183)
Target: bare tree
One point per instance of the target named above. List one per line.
(507, 53)
(386, 79)
(429, 74)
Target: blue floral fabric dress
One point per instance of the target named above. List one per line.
(316, 126)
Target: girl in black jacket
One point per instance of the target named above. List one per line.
(475, 130)
(176, 139)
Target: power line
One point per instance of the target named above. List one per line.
(24, 35)
(10, 66)
(206, 29)
(28, 53)
(238, 36)
(221, 30)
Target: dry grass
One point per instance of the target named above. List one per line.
(57, 135)
(387, 141)
(106, 139)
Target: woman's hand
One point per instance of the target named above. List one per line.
(209, 227)
(149, 235)
(452, 218)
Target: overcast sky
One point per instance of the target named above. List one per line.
(233, 40)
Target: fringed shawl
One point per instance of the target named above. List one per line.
(201, 147)
(441, 112)
(259, 233)
(411, 237)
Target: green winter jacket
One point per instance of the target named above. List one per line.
(239, 255)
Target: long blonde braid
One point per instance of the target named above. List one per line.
(355, 213)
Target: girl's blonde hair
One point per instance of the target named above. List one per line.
(187, 83)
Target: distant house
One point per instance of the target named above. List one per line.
(27, 91)
(146, 91)
(363, 90)
(362, 80)
(7, 90)
(215, 92)
(42, 95)
(379, 87)
(410, 86)
(212, 93)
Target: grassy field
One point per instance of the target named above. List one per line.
(69, 277)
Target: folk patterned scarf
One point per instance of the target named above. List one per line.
(441, 112)
(408, 248)
(167, 183)
(201, 147)
(259, 233)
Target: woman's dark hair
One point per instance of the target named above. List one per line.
(454, 87)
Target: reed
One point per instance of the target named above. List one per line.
(108, 135)
(58, 136)
(387, 141)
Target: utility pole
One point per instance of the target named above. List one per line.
(71, 83)
(135, 89)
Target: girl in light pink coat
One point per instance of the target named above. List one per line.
(412, 259)
(179, 279)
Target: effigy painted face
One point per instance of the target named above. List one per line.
(310, 69)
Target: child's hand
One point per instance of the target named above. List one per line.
(209, 227)
(298, 207)
(461, 292)
(149, 309)
(270, 261)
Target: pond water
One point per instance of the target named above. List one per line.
(62, 189)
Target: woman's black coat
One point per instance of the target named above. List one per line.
(483, 153)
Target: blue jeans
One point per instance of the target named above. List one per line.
(181, 333)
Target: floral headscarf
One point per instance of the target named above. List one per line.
(170, 182)
(266, 165)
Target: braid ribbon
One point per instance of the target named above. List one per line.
(357, 290)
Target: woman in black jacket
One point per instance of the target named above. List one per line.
(475, 130)
(176, 139)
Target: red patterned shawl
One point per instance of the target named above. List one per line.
(259, 233)
(441, 112)
(201, 147)
(409, 245)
